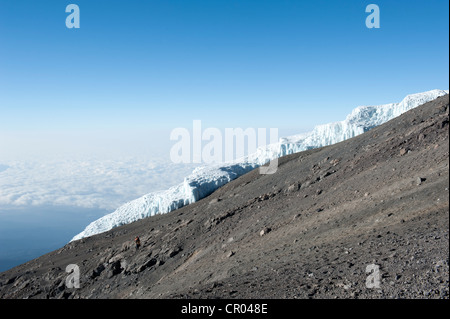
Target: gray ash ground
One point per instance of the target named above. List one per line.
(307, 231)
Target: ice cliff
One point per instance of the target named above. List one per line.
(206, 179)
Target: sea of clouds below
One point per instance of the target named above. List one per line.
(86, 183)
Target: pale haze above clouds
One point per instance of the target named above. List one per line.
(84, 170)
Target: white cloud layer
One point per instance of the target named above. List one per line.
(87, 183)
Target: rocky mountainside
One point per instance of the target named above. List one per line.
(204, 180)
(308, 231)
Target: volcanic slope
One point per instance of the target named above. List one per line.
(308, 231)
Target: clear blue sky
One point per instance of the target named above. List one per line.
(230, 63)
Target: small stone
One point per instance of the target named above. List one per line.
(324, 175)
(305, 184)
(10, 281)
(174, 251)
(293, 188)
(264, 231)
(334, 162)
(419, 180)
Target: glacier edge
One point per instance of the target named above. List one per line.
(205, 180)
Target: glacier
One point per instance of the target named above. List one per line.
(205, 180)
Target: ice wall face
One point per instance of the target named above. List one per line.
(205, 180)
(362, 119)
(201, 183)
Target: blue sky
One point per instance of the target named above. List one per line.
(137, 66)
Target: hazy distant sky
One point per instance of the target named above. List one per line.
(137, 69)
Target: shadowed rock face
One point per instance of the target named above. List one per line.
(308, 231)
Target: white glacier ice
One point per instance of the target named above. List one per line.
(206, 179)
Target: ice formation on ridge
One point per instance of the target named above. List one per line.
(206, 179)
